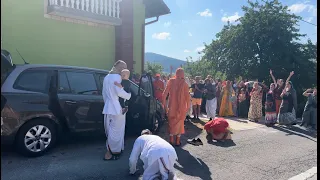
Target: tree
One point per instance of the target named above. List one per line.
(153, 68)
(266, 37)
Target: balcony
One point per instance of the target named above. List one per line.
(98, 11)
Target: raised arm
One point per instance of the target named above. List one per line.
(274, 79)
(290, 75)
(283, 92)
(307, 92)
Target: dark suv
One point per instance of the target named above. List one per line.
(39, 102)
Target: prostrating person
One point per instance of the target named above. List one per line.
(217, 130)
(157, 155)
(114, 118)
(179, 102)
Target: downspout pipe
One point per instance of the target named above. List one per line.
(145, 24)
(143, 39)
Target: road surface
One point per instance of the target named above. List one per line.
(257, 153)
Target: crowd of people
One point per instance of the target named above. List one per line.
(183, 97)
(244, 99)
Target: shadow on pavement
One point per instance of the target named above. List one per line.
(294, 130)
(191, 131)
(226, 143)
(192, 166)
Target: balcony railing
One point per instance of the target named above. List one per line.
(100, 11)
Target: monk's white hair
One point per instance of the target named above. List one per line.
(146, 131)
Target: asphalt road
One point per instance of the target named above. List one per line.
(258, 153)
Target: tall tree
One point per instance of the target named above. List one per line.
(265, 37)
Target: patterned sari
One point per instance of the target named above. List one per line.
(255, 109)
(226, 103)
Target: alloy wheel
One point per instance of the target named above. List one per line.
(37, 138)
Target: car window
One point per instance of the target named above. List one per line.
(82, 83)
(63, 83)
(32, 80)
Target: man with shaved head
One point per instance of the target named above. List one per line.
(114, 118)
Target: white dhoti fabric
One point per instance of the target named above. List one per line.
(211, 107)
(114, 126)
(189, 112)
(157, 169)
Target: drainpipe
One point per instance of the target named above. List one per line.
(152, 21)
(143, 40)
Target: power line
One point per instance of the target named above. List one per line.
(308, 22)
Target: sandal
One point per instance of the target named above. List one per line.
(113, 157)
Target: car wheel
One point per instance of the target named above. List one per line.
(36, 137)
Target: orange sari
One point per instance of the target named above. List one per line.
(179, 102)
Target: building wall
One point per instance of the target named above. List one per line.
(139, 20)
(46, 39)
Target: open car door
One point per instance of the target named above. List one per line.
(142, 107)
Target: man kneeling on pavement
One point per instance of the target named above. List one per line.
(157, 155)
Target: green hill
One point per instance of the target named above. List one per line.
(165, 61)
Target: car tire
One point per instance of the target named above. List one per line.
(39, 134)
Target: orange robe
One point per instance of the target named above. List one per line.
(158, 86)
(179, 102)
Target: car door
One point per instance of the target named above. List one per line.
(79, 99)
(142, 106)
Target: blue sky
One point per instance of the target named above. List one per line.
(193, 22)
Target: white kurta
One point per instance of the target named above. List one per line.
(114, 120)
(152, 148)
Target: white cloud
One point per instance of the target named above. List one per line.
(205, 13)
(231, 19)
(199, 49)
(161, 36)
(167, 24)
(189, 34)
(186, 51)
(309, 19)
(301, 7)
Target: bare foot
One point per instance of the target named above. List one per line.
(107, 155)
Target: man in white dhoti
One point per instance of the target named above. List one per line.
(211, 100)
(114, 118)
(157, 155)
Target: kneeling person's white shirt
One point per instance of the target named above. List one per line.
(152, 148)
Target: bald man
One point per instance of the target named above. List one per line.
(114, 118)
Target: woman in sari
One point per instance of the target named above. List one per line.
(179, 103)
(278, 89)
(286, 115)
(270, 107)
(226, 104)
(309, 116)
(255, 109)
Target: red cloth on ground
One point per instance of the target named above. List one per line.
(218, 126)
